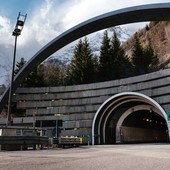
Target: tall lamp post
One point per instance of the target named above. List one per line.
(17, 31)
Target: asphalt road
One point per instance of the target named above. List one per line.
(108, 157)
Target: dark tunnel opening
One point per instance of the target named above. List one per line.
(144, 126)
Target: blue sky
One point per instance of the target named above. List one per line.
(46, 19)
(11, 8)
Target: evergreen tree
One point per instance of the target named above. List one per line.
(14, 110)
(105, 59)
(19, 66)
(96, 77)
(151, 60)
(121, 64)
(74, 69)
(143, 59)
(81, 68)
(35, 78)
(40, 75)
(89, 63)
(138, 60)
(113, 63)
(53, 76)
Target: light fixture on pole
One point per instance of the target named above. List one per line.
(17, 31)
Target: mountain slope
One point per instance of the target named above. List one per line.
(158, 34)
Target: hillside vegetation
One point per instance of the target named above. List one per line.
(156, 33)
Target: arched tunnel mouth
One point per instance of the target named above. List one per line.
(142, 126)
(130, 117)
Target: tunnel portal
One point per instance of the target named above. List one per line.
(130, 117)
(141, 126)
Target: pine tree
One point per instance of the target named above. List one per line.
(143, 59)
(113, 63)
(121, 64)
(35, 78)
(96, 68)
(73, 70)
(19, 66)
(14, 110)
(81, 68)
(88, 64)
(105, 59)
(53, 75)
(138, 60)
(151, 59)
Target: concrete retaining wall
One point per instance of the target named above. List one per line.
(77, 105)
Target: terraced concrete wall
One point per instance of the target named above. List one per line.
(77, 105)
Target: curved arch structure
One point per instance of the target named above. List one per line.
(107, 108)
(152, 12)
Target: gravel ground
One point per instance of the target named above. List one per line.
(101, 157)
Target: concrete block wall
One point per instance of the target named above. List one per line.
(77, 105)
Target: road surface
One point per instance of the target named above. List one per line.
(101, 157)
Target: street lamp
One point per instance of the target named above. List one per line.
(17, 31)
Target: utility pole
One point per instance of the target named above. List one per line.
(17, 31)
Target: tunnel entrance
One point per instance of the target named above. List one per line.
(143, 126)
(130, 118)
(139, 126)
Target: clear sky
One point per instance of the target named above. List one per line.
(46, 19)
(10, 8)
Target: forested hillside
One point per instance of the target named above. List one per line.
(156, 33)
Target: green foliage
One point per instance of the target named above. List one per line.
(54, 75)
(82, 67)
(105, 59)
(121, 64)
(19, 66)
(15, 111)
(137, 57)
(143, 59)
(113, 63)
(151, 59)
(34, 79)
(85, 67)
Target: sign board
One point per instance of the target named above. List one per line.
(168, 115)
